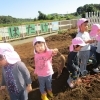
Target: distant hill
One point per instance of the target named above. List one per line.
(80, 11)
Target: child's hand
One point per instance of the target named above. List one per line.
(77, 68)
(29, 88)
(55, 51)
(35, 76)
(2, 87)
(91, 41)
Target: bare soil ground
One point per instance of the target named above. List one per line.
(89, 89)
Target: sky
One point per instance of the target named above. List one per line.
(30, 8)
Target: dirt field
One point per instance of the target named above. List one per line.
(89, 89)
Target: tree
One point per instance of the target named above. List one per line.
(34, 19)
(91, 9)
(41, 16)
(79, 10)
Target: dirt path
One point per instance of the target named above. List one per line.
(17, 42)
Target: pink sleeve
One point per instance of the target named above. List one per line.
(49, 53)
(35, 72)
(98, 38)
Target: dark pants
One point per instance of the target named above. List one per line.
(23, 95)
(73, 73)
(98, 60)
(93, 51)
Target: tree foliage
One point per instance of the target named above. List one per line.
(41, 16)
(79, 12)
(87, 8)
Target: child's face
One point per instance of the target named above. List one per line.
(98, 31)
(3, 62)
(78, 48)
(84, 27)
(40, 47)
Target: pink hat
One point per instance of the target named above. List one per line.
(94, 30)
(81, 21)
(10, 54)
(41, 39)
(38, 38)
(77, 41)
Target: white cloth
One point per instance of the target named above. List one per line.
(95, 43)
(85, 36)
(10, 54)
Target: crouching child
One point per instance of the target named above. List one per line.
(73, 61)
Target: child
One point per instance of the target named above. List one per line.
(98, 51)
(43, 65)
(85, 51)
(15, 75)
(73, 61)
(95, 33)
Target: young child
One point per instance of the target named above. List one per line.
(84, 53)
(73, 61)
(98, 51)
(95, 33)
(15, 75)
(43, 65)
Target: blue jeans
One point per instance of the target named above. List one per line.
(45, 81)
(93, 51)
(23, 95)
(84, 56)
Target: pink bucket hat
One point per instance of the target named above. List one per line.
(77, 41)
(9, 53)
(41, 39)
(38, 38)
(81, 21)
(94, 30)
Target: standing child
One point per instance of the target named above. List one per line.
(73, 61)
(15, 75)
(84, 53)
(98, 51)
(43, 65)
(95, 32)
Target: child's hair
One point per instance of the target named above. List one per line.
(39, 39)
(38, 42)
(75, 46)
(80, 22)
(1, 57)
(76, 42)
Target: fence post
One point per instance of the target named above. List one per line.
(37, 29)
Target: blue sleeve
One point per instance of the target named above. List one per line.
(25, 73)
(70, 63)
(3, 83)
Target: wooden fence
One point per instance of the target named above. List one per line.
(25, 31)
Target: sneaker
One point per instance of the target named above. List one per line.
(84, 73)
(70, 83)
(44, 97)
(99, 67)
(50, 94)
(96, 70)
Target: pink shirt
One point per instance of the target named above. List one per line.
(43, 63)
